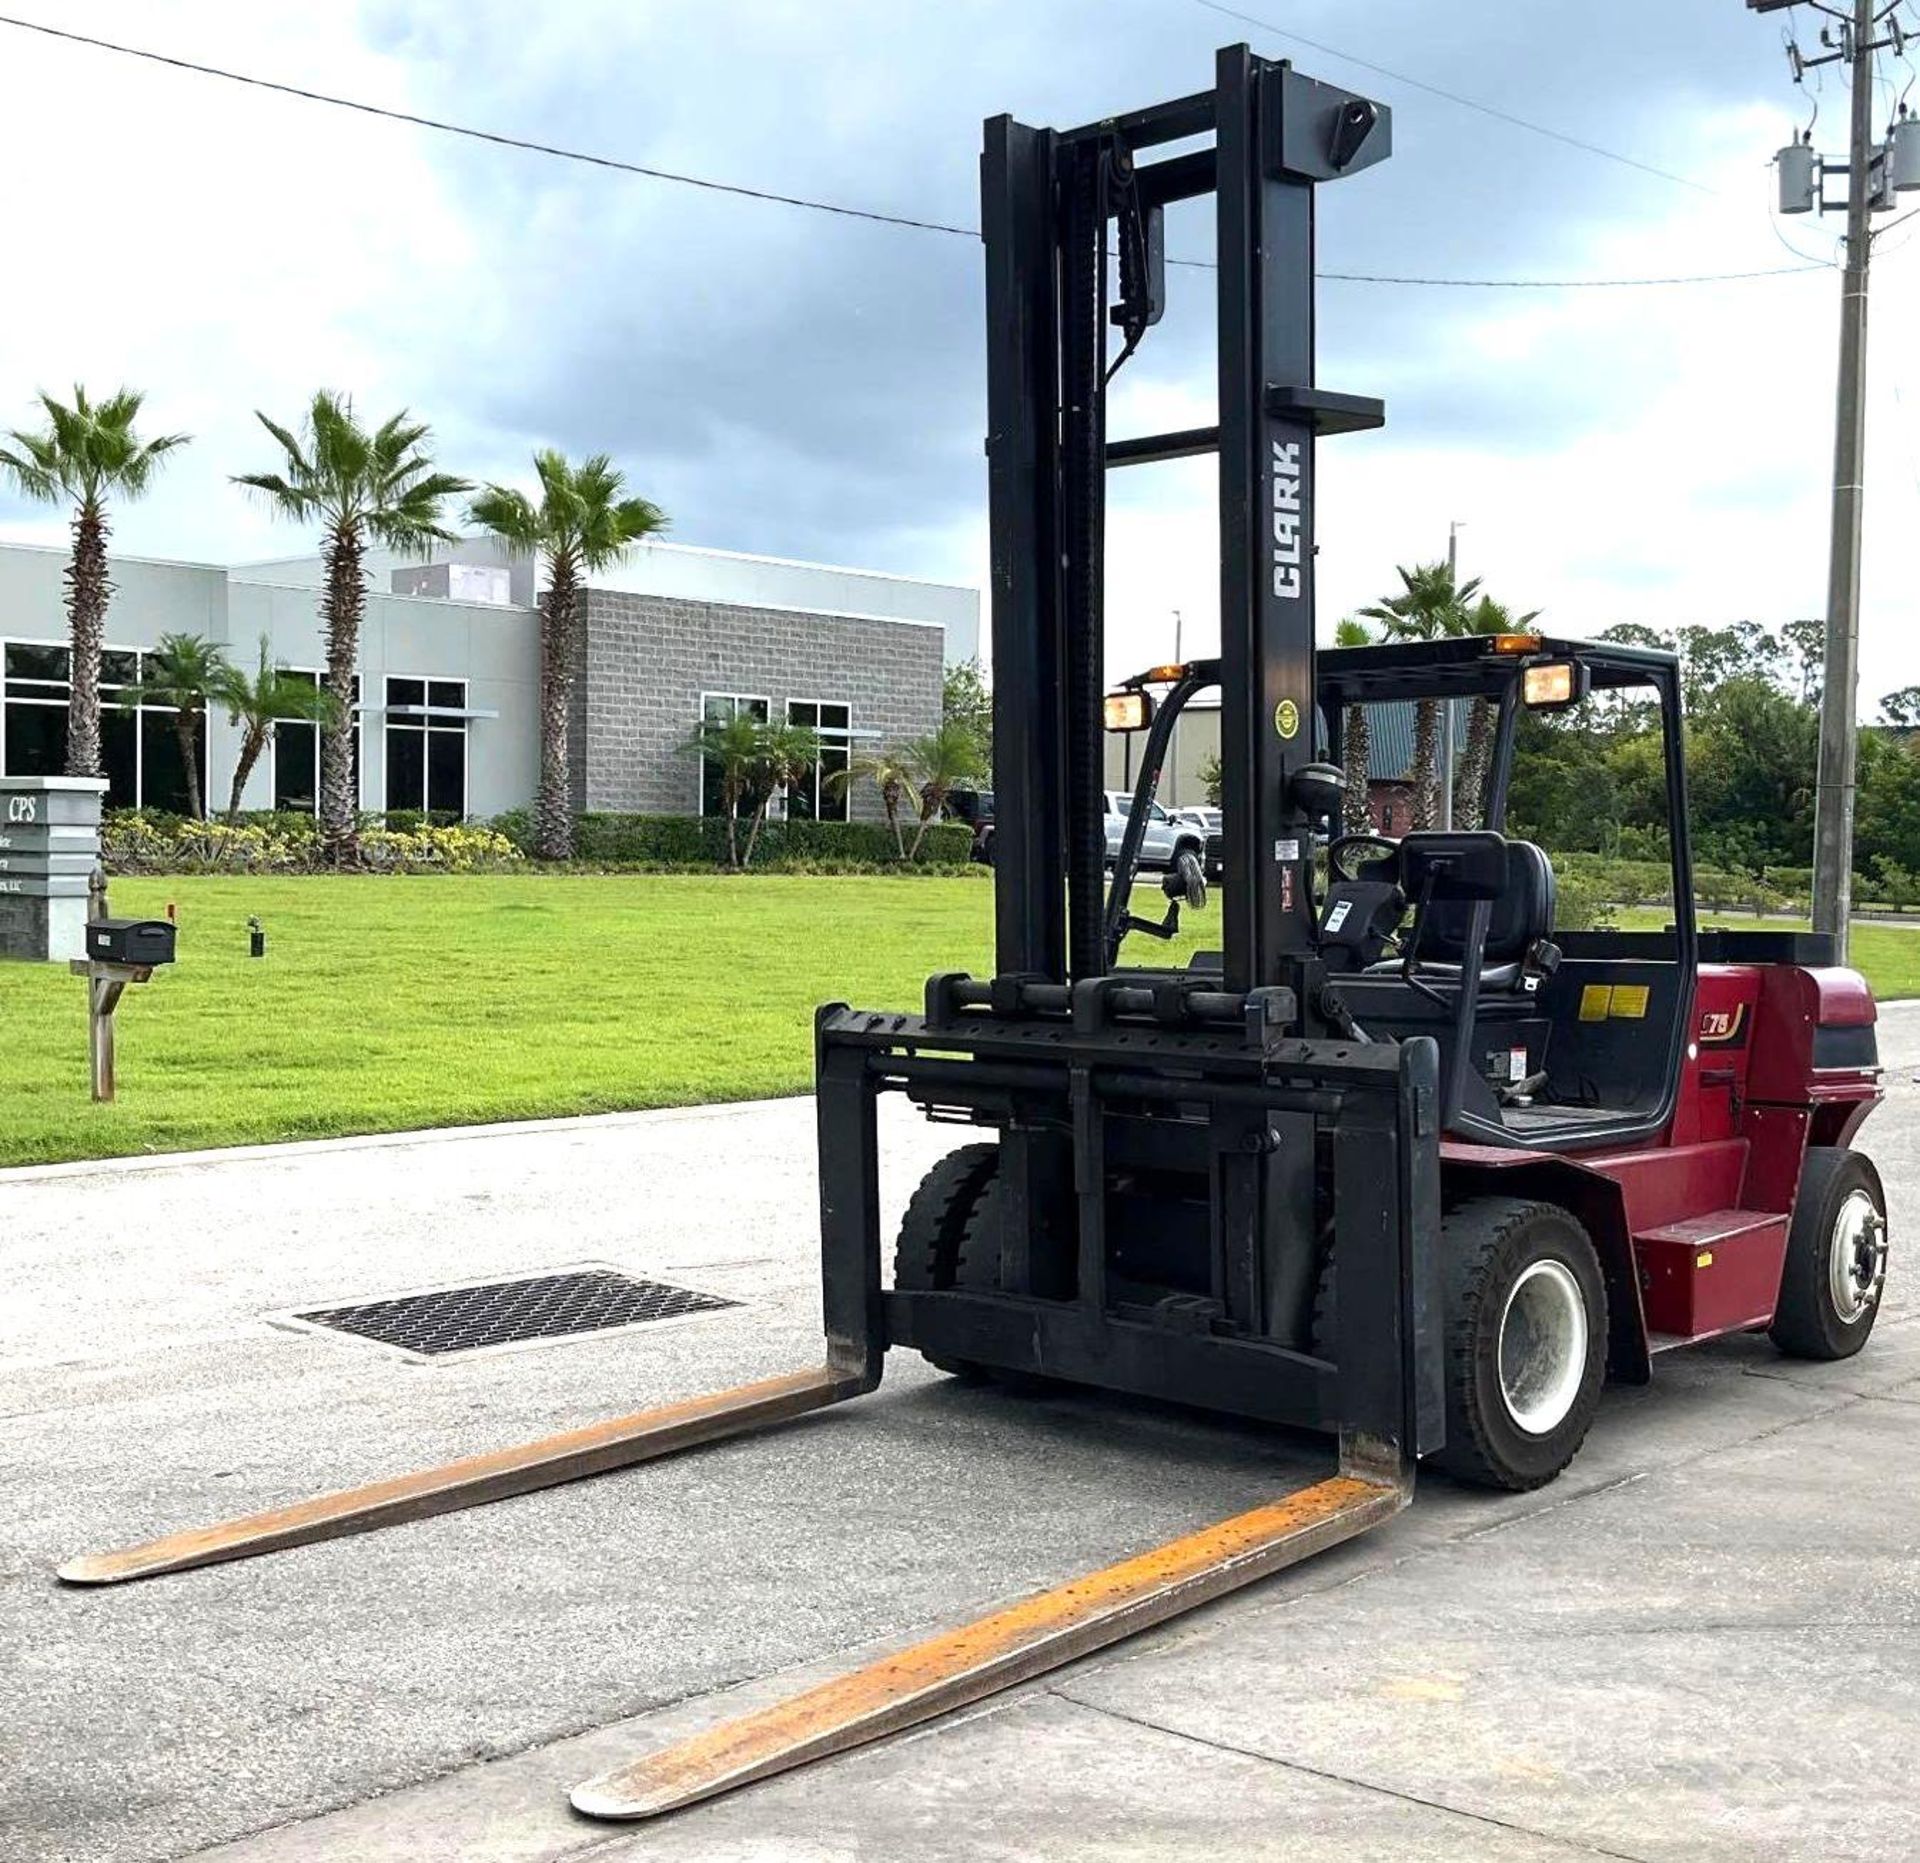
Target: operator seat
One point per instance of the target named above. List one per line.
(1519, 947)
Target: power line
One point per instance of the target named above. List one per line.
(531, 146)
(1454, 97)
(1572, 284)
(485, 135)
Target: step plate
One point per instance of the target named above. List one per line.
(1011, 1646)
(547, 1463)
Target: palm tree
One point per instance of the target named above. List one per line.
(1356, 741)
(948, 756)
(581, 526)
(361, 488)
(1429, 607)
(258, 702)
(86, 454)
(891, 773)
(179, 674)
(1486, 617)
(787, 753)
(732, 746)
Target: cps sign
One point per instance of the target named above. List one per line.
(22, 809)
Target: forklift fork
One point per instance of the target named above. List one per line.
(1011, 1646)
(644, 1436)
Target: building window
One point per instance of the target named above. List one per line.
(427, 746)
(818, 797)
(718, 708)
(296, 754)
(140, 749)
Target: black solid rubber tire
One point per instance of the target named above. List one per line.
(1806, 1324)
(927, 1254)
(1486, 1243)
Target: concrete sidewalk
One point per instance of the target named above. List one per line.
(1703, 1642)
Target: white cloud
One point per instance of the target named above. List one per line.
(1693, 486)
(1656, 455)
(221, 248)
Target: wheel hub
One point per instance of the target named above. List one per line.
(1857, 1256)
(1543, 1347)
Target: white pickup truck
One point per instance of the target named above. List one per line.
(1166, 839)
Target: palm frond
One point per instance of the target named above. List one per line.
(510, 516)
(382, 483)
(87, 450)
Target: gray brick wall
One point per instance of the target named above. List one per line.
(646, 660)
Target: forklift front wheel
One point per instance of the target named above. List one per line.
(1836, 1257)
(1526, 1342)
(927, 1254)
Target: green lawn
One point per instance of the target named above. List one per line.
(385, 1004)
(1888, 955)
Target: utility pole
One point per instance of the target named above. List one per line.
(1445, 810)
(1833, 800)
(1873, 172)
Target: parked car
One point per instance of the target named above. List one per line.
(975, 808)
(1166, 839)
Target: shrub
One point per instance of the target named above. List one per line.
(1580, 902)
(1897, 885)
(133, 842)
(694, 841)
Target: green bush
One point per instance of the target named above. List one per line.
(696, 841)
(133, 842)
(1619, 882)
(1579, 902)
(1897, 885)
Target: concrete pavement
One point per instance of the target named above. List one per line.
(1704, 1641)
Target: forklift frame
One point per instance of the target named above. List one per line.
(1184, 1156)
(1303, 1142)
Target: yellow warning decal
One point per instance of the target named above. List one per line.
(1594, 1002)
(1630, 1000)
(1286, 718)
(1704, 1259)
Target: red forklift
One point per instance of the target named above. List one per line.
(1399, 1162)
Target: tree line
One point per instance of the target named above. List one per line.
(1592, 780)
(360, 486)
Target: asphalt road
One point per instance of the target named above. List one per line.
(1704, 1641)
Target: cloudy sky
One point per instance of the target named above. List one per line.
(795, 384)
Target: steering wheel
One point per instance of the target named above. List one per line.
(1344, 853)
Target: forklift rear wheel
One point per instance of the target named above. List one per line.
(927, 1254)
(1836, 1257)
(1526, 1341)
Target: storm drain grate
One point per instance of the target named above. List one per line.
(502, 1313)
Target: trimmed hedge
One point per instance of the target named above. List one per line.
(669, 841)
(131, 842)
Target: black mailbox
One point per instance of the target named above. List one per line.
(137, 942)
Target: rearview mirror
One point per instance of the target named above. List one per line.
(1186, 882)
